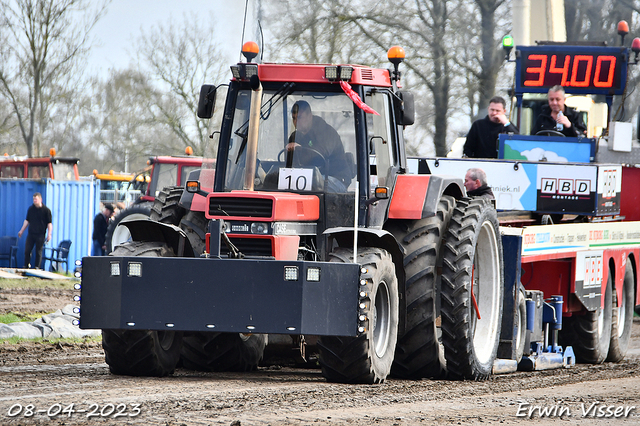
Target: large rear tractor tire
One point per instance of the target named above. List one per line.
(142, 352)
(165, 208)
(223, 351)
(590, 334)
(118, 234)
(368, 357)
(418, 351)
(472, 290)
(622, 317)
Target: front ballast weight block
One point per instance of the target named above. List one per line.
(221, 295)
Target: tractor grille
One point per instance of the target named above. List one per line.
(240, 207)
(250, 246)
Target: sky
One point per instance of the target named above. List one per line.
(115, 32)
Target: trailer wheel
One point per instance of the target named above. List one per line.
(521, 323)
(418, 351)
(366, 358)
(622, 317)
(142, 352)
(590, 334)
(118, 234)
(472, 290)
(165, 208)
(222, 351)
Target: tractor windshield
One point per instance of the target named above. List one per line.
(306, 143)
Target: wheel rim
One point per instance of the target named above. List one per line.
(381, 318)
(165, 339)
(121, 233)
(486, 289)
(622, 313)
(522, 323)
(600, 323)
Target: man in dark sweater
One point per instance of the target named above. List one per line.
(315, 136)
(475, 181)
(100, 226)
(482, 140)
(570, 120)
(39, 221)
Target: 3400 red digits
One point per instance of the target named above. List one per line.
(570, 70)
(93, 410)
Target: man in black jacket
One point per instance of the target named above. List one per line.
(475, 182)
(482, 140)
(549, 118)
(39, 223)
(100, 226)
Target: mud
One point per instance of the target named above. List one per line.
(69, 384)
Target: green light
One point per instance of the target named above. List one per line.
(507, 41)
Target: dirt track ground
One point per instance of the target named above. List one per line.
(41, 377)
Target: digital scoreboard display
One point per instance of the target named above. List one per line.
(579, 69)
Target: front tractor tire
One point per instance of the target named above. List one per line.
(142, 352)
(368, 357)
(472, 290)
(223, 351)
(418, 352)
(119, 234)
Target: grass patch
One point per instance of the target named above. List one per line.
(37, 283)
(12, 317)
(53, 342)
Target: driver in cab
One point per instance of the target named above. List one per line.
(557, 117)
(316, 143)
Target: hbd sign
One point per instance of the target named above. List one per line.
(568, 189)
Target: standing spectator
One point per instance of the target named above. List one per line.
(475, 181)
(39, 222)
(482, 139)
(100, 225)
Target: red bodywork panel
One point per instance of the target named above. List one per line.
(554, 274)
(407, 201)
(303, 73)
(283, 247)
(629, 194)
(200, 203)
(286, 206)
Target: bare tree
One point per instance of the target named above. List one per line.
(179, 59)
(120, 123)
(43, 44)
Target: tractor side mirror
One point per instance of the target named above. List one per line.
(405, 109)
(207, 101)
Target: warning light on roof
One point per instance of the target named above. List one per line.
(250, 50)
(507, 45)
(395, 54)
(52, 152)
(635, 46)
(188, 150)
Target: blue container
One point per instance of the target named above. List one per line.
(73, 206)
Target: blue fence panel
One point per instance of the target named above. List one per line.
(73, 206)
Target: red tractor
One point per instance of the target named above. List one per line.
(164, 171)
(313, 228)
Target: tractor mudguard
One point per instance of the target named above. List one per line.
(369, 237)
(417, 196)
(150, 230)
